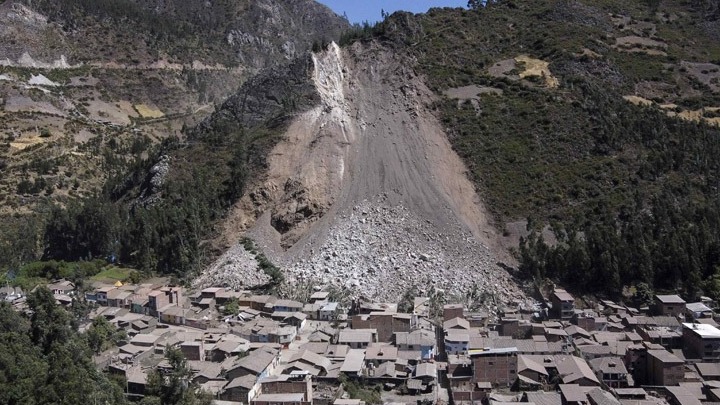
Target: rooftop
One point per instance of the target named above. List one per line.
(563, 295)
(356, 336)
(703, 330)
(665, 356)
(670, 299)
(353, 361)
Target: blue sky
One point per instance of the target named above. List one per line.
(369, 10)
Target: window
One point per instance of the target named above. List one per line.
(490, 363)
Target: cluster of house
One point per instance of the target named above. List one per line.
(668, 353)
(270, 350)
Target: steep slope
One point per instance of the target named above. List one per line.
(90, 90)
(595, 122)
(251, 34)
(365, 192)
(596, 119)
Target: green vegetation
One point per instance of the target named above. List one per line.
(176, 386)
(41, 272)
(231, 307)
(158, 216)
(359, 389)
(102, 335)
(264, 264)
(630, 192)
(113, 273)
(44, 360)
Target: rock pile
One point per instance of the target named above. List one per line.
(237, 269)
(380, 251)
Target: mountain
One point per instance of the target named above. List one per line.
(453, 152)
(91, 89)
(588, 130)
(250, 34)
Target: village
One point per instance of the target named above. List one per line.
(245, 348)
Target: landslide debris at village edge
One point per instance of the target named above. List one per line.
(364, 191)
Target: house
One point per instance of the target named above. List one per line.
(542, 398)
(10, 294)
(136, 382)
(669, 305)
(294, 389)
(698, 310)
(574, 394)
(357, 338)
(709, 371)
(101, 294)
(421, 339)
(574, 370)
(159, 299)
(457, 341)
(530, 371)
(172, 314)
(611, 371)
(296, 319)
(259, 363)
(702, 340)
(316, 361)
(496, 366)
(378, 353)
(241, 389)
(139, 304)
(283, 335)
(354, 363)
(563, 304)
(329, 311)
(602, 397)
(319, 297)
(451, 311)
(336, 352)
(386, 323)
(229, 347)
(61, 286)
(119, 298)
(456, 323)
(286, 306)
(664, 368)
(193, 350)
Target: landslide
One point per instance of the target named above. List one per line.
(364, 190)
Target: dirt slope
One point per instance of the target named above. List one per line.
(366, 192)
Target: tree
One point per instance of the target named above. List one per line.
(102, 335)
(175, 387)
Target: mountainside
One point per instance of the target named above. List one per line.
(90, 89)
(365, 188)
(573, 141)
(591, 124)
(250, 34)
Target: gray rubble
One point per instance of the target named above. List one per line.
(380, 251)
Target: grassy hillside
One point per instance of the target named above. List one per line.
(598, 118)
